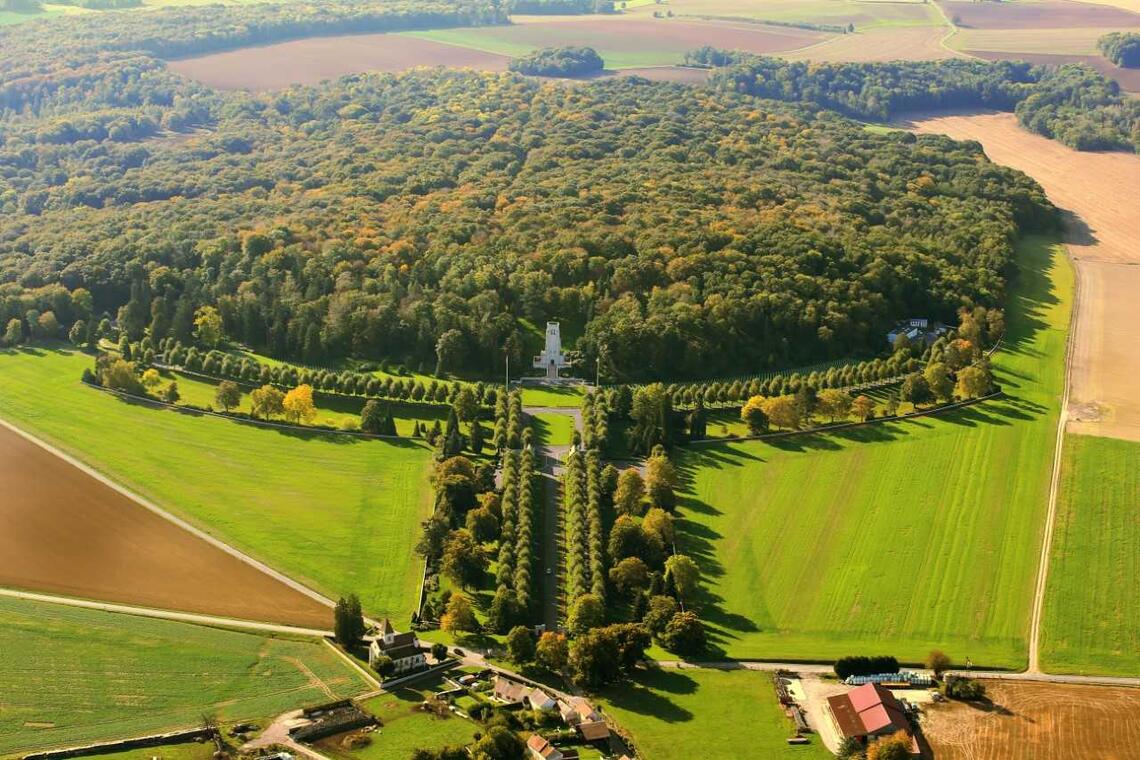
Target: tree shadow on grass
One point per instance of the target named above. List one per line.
(648, 693)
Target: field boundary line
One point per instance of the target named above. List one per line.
(1054, 480)
(153, 612)
(169, 516)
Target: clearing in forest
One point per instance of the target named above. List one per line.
(913, 535)
(1036, 721)
(339, 513)
(70, 676)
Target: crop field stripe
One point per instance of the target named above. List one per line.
(1092, 603)
(96, 675)
(336, 513)
(913, 534)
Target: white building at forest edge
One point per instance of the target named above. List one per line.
(552, 359)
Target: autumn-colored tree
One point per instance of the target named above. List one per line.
(298, 406)
(266, 401)
(459, 616)
(553, 651)
(208, 326)
(753, 415)
(151, 379)
(782, 411)
(893, 747)
(834, 403)
(937, 661)
(863, 407)
(659, 521)
(685, 574)
(937, 376)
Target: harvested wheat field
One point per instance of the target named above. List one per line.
(1099, 190)
(1038, 721)
(314, 60)
(1047, 14)
(920, 43)
(62, 531)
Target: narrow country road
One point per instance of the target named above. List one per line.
(184, 617)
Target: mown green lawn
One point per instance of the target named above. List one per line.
(707, 714)
(1091, 619)
(70, 675)
(337, 512)
(553, 429)
(553, 396)
(898, 537)
(404, 729)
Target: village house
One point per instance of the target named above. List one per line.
(578, 713)
(400, 647)
(514, 693)
(868, 712)
(540, 749)
(917, 330)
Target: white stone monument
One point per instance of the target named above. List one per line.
(552, 359)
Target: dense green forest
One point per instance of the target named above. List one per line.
(434, 217)
(560, 62)
(1122, 48)
(1072, 103)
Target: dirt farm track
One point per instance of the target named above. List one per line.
(1038, 721)
(1099, 190)
(64, 532)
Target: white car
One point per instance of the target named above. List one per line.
(549, 571)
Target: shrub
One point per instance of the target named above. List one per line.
(861, 665)
(559, 62)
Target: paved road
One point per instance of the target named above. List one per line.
(184, 617)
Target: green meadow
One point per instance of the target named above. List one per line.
(71, 675)
(1091, 618)
(711, 714)
(896, 537)
(404, 728)
(337, 512)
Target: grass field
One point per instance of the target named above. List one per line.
(183, 751)
(554, 396)
(1091, 620)
(404, 728)
(553, 429)
(337, 512)
(70, 675)
(709, 714)
(913, 535)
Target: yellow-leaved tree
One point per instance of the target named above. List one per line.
(298, 404)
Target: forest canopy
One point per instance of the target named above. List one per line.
(1072, 103)
(1122, 48)
(559, 62)
(681, 232)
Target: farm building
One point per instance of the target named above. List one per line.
(868, 712)
(538, 748)
(400, 647)
(917, 330)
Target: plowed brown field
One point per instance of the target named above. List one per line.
(1038, 721)
(319, 58)
(62, 531)
(920, 43)
(1100, 192)
(1047, 14)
